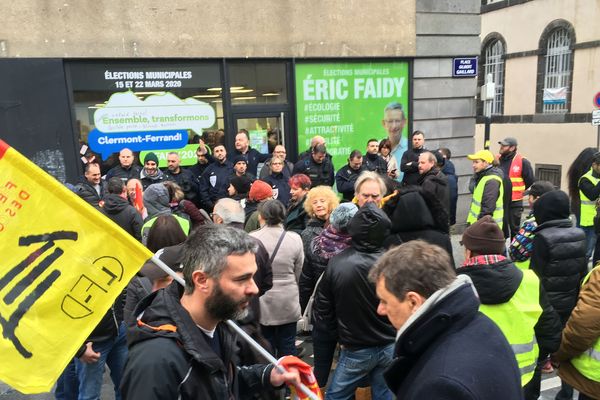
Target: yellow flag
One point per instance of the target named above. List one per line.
(62, 264)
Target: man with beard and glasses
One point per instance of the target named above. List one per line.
(180, 347)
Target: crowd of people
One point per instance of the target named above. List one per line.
(367, 271)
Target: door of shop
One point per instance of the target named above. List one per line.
(266, 129)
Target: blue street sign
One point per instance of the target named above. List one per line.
(464, 67)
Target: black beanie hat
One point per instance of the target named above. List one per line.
(484, 237)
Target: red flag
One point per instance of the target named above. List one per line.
(306, 376)
(139, 198)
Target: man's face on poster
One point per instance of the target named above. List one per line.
(393, 122)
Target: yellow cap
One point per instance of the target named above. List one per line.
(484, 155)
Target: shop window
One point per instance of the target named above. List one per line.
(257, 82)
(94, 83)
(555, 66)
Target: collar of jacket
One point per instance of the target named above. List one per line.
(446, 310)
(164, 306)
(428, 311)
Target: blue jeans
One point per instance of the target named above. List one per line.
(67, 385)
(281, 337)
(354, 365)
(113, 352)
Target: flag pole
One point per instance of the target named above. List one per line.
(239, 331)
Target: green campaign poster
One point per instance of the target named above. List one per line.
(346, 104)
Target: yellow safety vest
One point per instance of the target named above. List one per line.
(498, 214)
(588, 207)
(588, 362)
(516, 319)
(523, 265)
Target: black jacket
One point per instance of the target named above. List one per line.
(526, 174)
(491, 191)
(498, 283)
(133, 172)
(187, 182)
(288, 167)
(296, 218)
(313, 264)
(319, 174)
(374, 162)
(280, 183)
(345, 301)
(345, 179)
(123, 214)
(411, 172)
(214, 183)
(452, 351)
(559, 252)
(198, 169)
(412, 218)
(450, 173)
(150, 180)
(87, 192)
(108, 327)
(253, 158)
(434, 185)
(163, 364)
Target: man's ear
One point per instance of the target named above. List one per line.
(415, 300)
(201, 281)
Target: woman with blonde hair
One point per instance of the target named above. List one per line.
(320, 202)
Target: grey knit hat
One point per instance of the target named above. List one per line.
(156, 199)
(340, 217)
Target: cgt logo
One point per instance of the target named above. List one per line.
(77, 304)
(22, 285)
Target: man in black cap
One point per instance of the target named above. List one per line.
(151, 174)
(518, 176)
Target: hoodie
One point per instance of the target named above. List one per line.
(156, 200)
(123, 214)
(412, 219)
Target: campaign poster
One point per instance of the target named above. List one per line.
(349, 103)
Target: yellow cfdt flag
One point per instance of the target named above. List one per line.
(62, 265)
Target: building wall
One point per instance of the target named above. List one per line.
(586, 78)
(443, 106)
(545, 138)
(428, 32)
(201, 28)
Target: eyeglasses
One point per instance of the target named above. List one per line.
(276, 163)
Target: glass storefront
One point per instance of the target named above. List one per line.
(170, 105)
(122, 102)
